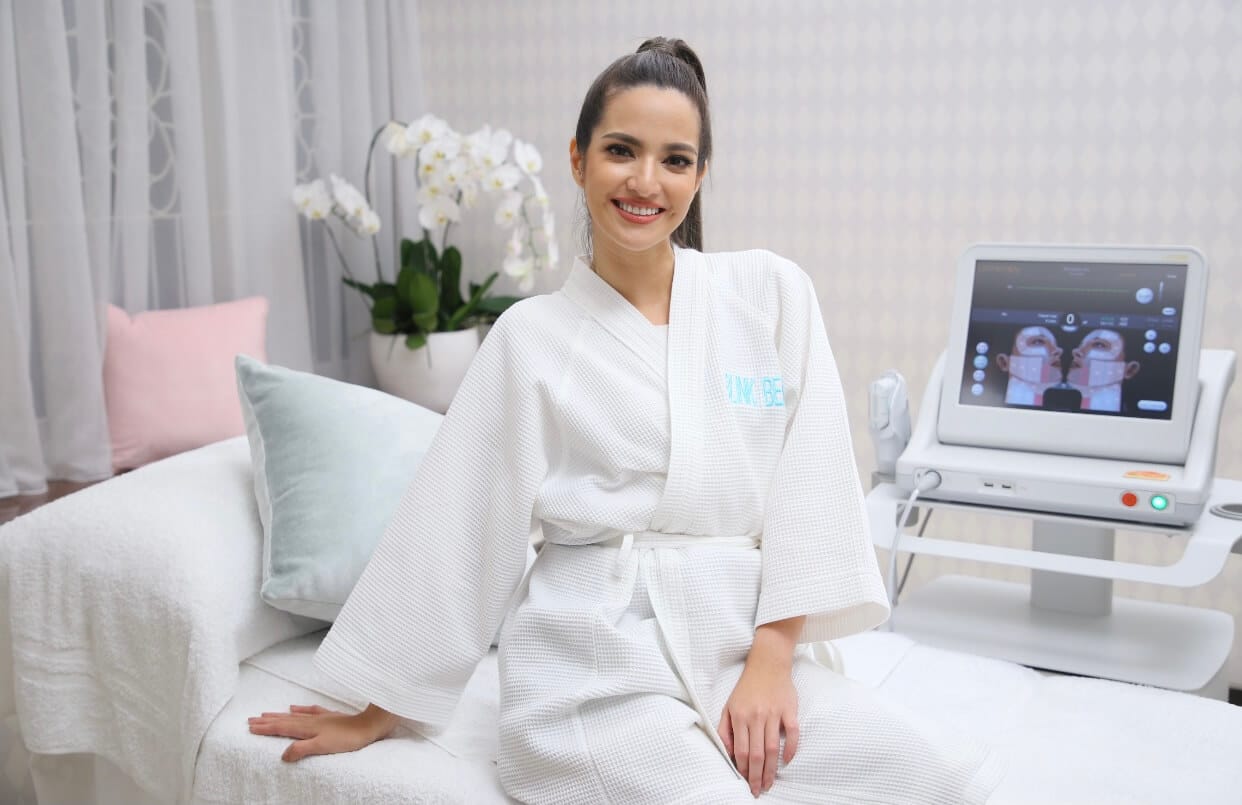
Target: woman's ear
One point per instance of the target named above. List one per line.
(575, 161)
(699, 181)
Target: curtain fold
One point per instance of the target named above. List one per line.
(148, 149)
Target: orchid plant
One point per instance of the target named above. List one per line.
(451, 173)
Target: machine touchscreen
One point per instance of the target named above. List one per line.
(1090, 338)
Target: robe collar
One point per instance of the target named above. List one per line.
(625, 322)
(680, 358)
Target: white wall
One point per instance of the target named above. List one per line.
(873, 141)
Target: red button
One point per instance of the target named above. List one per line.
(1129, 499)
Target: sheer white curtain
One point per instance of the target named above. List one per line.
(147, 153)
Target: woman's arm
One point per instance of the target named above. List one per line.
(320, 731)
(763, 702)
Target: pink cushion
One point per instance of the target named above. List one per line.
(169, 380)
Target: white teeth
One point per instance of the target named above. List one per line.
(638, 210)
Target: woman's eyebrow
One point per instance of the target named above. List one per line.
(630, 139)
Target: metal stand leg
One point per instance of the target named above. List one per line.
(1062, 592)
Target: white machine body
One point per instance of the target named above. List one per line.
(1111, 489)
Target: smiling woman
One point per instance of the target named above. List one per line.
(701, 513)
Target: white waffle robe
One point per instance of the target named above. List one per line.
(581, 418)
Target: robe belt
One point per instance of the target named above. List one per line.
(658, 539)
(672, 629)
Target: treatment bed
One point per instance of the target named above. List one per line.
(134, 645)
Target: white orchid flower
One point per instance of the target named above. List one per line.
(527, 157)
(517, 241)
(469, 193)
(477, 141)
(489, 149)
(430, 193)
(441, 150)
(425, 129)
(351, 202)
(521, 269)
(368, 223)
(312, 200)
(438, 213)
(500, 139)
(429, 172)
(510, 210)
(454, 173)
(396, 139)
(540, 195)
(504, 177)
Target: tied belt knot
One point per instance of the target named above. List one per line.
(657, 539)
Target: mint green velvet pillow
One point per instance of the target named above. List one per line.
(331, 462)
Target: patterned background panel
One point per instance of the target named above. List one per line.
(872, 142)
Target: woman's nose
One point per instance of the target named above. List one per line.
(642, 178)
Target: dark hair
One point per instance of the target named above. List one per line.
(665, 63)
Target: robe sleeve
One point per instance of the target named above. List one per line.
(432, 597)
(818, 559)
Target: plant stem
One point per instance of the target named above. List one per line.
(340, 256)
(366, 187)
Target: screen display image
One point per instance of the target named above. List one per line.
(1090, 338)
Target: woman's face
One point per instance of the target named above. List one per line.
(640, 171)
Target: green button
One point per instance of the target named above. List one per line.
(1159, 502)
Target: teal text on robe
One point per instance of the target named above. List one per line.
(755, 392)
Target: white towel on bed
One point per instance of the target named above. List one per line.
(131, 601)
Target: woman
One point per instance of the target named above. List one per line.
(673, 423)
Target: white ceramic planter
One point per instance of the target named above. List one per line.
(428, 376)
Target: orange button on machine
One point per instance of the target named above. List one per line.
(1129, 499)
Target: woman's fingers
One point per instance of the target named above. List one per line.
(313, 709)
(791, 737)
(771, 751)
(300, 749)
(287, 727)
(754, 771)
(741, 748)
(725, 731)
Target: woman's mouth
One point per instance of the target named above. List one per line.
(637, 213)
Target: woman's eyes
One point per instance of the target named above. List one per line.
(674, 160)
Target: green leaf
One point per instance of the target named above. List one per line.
(495, 305)
(372, 291)
(450, 279)
(381, 290)
(384, 308)
(383, 326)
(469, 308)
(407, 252)
(421, 294)
(415, 340)
(426, 321)
(405, 282)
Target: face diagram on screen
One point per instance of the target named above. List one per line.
(1033, 365)
(1098, 370)
(1089, 338)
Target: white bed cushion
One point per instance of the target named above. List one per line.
(331, 462)
(1063, 739)
(127, 608)
(454, 766)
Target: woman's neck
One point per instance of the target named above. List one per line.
(645, 279)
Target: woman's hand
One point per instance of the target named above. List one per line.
(320, 731)
(763, 703)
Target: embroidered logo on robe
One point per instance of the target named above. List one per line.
(755, 392)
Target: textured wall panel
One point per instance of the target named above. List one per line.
(873, 141)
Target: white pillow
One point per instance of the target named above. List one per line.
(331, 462)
